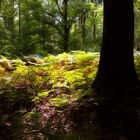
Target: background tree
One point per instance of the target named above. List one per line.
(62, 14)
(8, 13)
(94, 24)
(31, 26)
(83, 33)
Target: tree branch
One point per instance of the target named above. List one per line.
(51, 23)
(62, 14)
(53, 17)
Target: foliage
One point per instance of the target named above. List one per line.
(57, 81)
(137, 25)
(49, 90)
(137, 62)
(29, 27)
(58, 102)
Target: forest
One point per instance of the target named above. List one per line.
(69, 70)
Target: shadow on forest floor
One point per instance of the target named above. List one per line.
(114, 118)
(118, 119)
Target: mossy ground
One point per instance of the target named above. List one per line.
(46, 96)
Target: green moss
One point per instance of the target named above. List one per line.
(40, 96)
(43, 94)
(34, 60)
(58, 102)
(91, 75)
(78, 95)
(2, 70)
(60, 84)
(36, 100)
(68, 74)
(73, 75)
(50, 59)
(18, 62)
(6, 64)
(32, 115)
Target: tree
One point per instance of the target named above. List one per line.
(52, 26)
(57, 16)
(62, 15)
(116, 67)
(7, 15)
(30, 26)
(82, 23)
(95, 18)
(86, 33)
(116, 80)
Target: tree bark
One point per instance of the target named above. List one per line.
(43, 37)
(82, 25)
(116, 67)
(19, 23)
(66, 26)
(94, 32)
(65, 41)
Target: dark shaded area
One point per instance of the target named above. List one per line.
(116, 84)
(111, 118)
(118, 117)
(13, 105)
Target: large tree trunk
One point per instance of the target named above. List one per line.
(116, 67)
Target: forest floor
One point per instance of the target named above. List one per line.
(45, 99)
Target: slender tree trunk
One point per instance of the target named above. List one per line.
(12, 3)
(83, 29)
(19, 23)
(94, 32)
(94, 26)
(0, 5)
(82, 24)
(43, 37)
(11, 24)
(66, 26)
(11, 18)
(82, 21)
(116, 67)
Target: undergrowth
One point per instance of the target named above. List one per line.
(50, 89)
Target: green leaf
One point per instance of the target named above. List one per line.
(58, 102)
